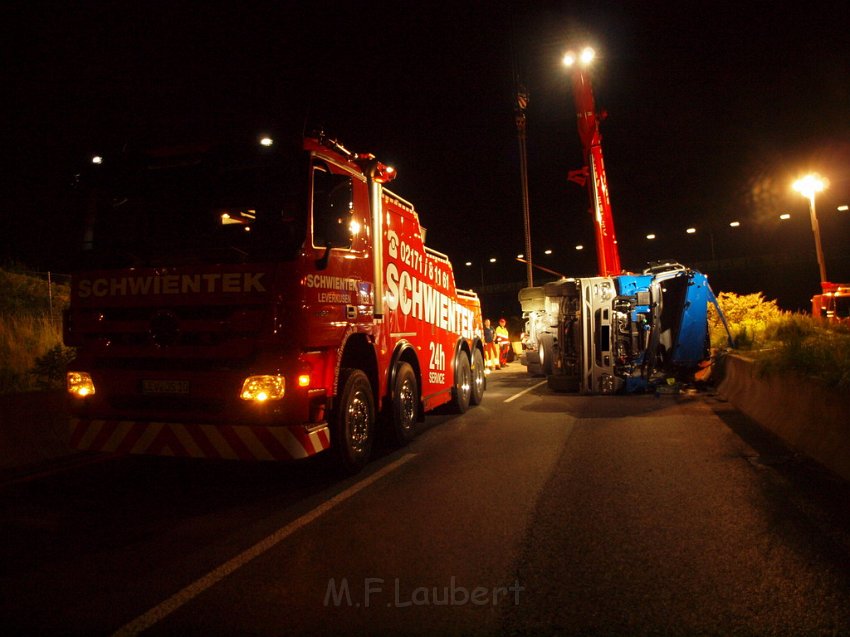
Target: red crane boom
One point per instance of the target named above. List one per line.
(607, 253)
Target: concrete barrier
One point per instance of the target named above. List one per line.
(810, 418)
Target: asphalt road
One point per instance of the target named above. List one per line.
(533, 513)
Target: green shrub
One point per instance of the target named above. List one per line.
(49, 369)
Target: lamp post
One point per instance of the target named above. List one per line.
(809, 186)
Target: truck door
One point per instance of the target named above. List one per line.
(339, 288)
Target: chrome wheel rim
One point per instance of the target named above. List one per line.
(357, 423)
(407, 403)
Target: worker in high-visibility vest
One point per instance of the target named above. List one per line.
(503, 341)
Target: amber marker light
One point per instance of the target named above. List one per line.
(79, 384)
(304, 380)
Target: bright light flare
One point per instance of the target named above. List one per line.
(585, 57)
(493, 260)
(650, 236)
(97, 159)
(579, 247)
(79, 384)
(785, 216)
(809, 185)
(735, 224)
(547, 252)
(691, 230)
(266, 141)
(262, 388)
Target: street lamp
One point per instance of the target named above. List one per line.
(809, 186)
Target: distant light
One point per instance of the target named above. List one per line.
(579, 247)
(97, 159)
(843, 208)
(492, 259)
(520, 256)
(809, 185)
(735, 224)
(569, 58)
(354, 227)
(468, 263)
(785, 216)
(547, 252)
(266, 141)
(650, 236)
(691, 230)
(587, 55)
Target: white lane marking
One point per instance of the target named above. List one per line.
(162, 610)
(524, 391)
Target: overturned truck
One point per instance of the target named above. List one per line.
(617, 334)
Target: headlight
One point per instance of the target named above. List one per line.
(263, 388)
(79, 384)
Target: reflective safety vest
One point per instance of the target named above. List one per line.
(502, 336)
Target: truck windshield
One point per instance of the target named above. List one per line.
(209, 206)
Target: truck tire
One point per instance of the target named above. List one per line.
(462, 389)
(532, 363)
(479, 380)
(353, 421)
(546, 347)
(404, 409)
(562, 383)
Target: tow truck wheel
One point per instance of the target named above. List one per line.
(463, 384)
(479, 380)
(405, 404)
(353, 421)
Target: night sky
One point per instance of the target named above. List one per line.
(713, 110)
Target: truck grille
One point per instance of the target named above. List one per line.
(196, 327)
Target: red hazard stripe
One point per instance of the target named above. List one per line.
(106, 430)
(78, 430)
(236, 443)
(324, 438)
(131, 437)
(167, 439)
(207, 448)
(277, 450)
(303, 439)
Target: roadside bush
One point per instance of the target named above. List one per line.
(749, 317)
(29, 332)
(49, 370)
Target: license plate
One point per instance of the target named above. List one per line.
(165, 386)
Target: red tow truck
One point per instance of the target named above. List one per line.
(260, 301)
(833, 303)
